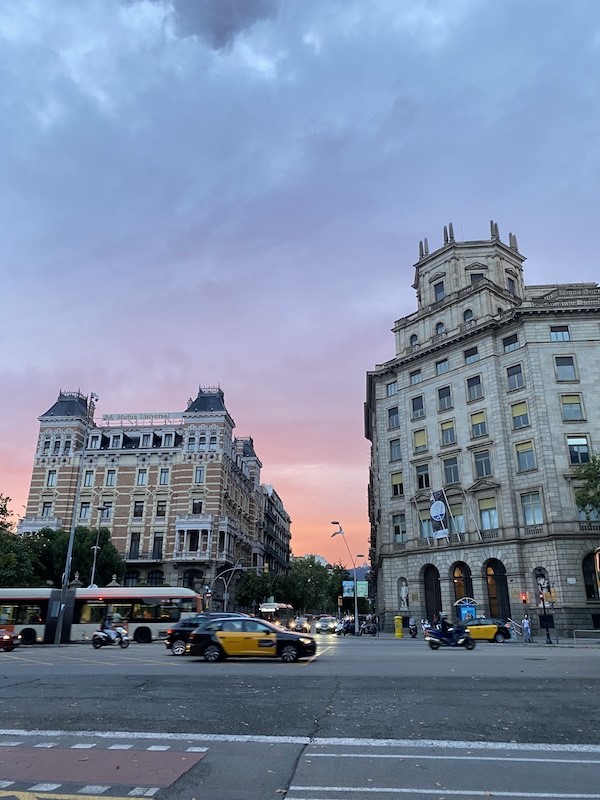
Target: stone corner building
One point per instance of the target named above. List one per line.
(179, 493)
(488, 406)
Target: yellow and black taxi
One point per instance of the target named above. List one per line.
(488, 629)
(248, 638)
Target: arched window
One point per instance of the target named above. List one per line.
(414, 340)
(132, 578)
(156, 577)
(468, 315)
(439, 328)
(592, 591)
(463, 583)
(190, 576)
(497, 586)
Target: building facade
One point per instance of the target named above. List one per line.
(476, 427)
(179, 493)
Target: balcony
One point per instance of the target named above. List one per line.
(194, 521)
(191, 555)
(144, 557)
(33, 524)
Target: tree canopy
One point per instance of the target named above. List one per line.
(587, 496)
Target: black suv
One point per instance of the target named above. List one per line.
(178, 635)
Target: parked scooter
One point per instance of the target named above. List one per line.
(368, 627)
(412, 628)
(453, 637)
(103, 638)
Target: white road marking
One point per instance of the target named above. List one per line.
(44, 787)
(468, 757)
(140, 791)
(82, 746)
(440, 792)
(120, 747)
(5, 784)
(93, 789)
(45, 744)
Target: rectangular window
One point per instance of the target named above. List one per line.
(88, 477)
(84, 510)
(451, 470)
(106, 510)
(571, 407)
(531, 504)
(417, 407)
(202, 442)
(47, 446)
(425, 527)
(415, 377)
(397, 484)
(444, 398)
(488, 514)
(525, 456)
(115, 442)
(168, 440)
(514, 377)
(146, 440)
(559, 333)
(164, 476)
(393, 417)
(471, 355)
(395, 451)
(212, 444)
(51, 478)
(456, 518)
(422, 473)
(67, 445)
(134, 546)
(478, 425)
(510, 343)
(420, 441)
(57, 446)
(520, 415)
(438, 291)
(476, 277)
(142, 477)
(483, 464)
(196, 506)
(94, 442)
(138, 509)
(579, 451)
(391, 389)
(157, 547)
(111, 475)
(511, 286)
(46, 510)
(191, 444)
(474, 388)
(161, 508)
(448, 432)
(442, 366)
(565, 368)
(399, 526)
(199, 475)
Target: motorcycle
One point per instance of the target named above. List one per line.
(368, 628)
(103, 638)
(454, 637)
(412, 629)
(425, 626)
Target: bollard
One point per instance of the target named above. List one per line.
(398, 627)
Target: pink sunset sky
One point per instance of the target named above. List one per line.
(232, 192)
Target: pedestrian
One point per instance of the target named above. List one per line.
(526, 625)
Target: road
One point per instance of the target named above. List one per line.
(368, 718)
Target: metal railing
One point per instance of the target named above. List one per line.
(591, 636)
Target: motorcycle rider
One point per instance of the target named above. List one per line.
(446, 628)
(108, 629)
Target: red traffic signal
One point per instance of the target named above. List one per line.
(524, 597)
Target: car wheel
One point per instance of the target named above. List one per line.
(470, 644)
(289, 653)
(28, 636)
(178, 647)
(498, 637)
(8, 648)
(213, 653)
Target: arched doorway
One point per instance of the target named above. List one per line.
(592, 590)
(433, 594)
(497, 587)
(462, 580)
(190, 576)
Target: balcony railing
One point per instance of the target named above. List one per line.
(191, 555)
(589, 525)
(32, 524)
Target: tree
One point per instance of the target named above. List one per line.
(15, 562)
(587, 496)
(253, 588)
(5, 513)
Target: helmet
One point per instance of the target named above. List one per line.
(443, 615)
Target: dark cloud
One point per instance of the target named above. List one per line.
(219, 21)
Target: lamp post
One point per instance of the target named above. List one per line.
(542, 583)
(69, 558)
(232, 571)
(341, 532)
(96, 547)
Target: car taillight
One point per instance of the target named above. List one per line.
(169, 631)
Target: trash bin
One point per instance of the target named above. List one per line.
(398, 627)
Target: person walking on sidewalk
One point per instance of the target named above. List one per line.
(526, 625)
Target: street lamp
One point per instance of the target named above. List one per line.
(542, 582)
(226, 581)
(341, 532)
(96, 547)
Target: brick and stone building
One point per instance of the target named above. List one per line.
(180, 494)
(477, 425)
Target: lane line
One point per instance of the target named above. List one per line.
(440, 792)
(421, 757)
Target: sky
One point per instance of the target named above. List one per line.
(232, 192)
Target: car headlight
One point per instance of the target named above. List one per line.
(305, 640)
(6, 636)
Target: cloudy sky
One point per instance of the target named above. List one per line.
(232, 192)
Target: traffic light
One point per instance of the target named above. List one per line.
(265, 569)
(524, 598)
